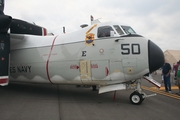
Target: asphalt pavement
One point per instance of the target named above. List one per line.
(20, 101)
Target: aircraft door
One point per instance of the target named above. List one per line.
(116, 70)
(129, 68)
(85, 70)
(100, 70)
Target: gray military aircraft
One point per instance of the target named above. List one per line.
(108, 55)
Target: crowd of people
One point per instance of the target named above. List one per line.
(166, 73)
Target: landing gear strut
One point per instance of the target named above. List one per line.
(137, 96)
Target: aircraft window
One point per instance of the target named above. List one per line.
(104, 31)
(118, 29)
(128, 30)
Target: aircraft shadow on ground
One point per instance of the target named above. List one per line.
(65, 93)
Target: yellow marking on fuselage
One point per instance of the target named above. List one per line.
(91, 28)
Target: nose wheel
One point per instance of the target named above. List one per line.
(136, 98)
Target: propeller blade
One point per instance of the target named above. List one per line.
(1, 6)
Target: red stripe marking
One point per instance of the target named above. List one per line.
(5, 80)
(153, 83)
(45, 31)
(47, 63)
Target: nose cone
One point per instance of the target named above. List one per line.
(156, 56)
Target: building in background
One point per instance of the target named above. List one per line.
(172, 56)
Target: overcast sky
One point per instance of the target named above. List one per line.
(157, 20)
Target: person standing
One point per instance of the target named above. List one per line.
(175, 69)
(166, 72)
(175, 74)
(178, 78)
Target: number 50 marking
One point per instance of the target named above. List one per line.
(130, 48)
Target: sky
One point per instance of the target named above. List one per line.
(157, 20)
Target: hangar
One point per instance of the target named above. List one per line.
(172, 56)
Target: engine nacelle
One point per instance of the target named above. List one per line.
(22, 27)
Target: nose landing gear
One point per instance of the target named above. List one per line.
(138, 95)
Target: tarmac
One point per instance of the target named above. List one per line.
(20, 101)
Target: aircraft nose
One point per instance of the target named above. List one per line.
(155, 56)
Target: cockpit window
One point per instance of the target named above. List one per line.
(104, 31)
(118, 29)
(128, 30)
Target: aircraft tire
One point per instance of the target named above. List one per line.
(136, 98)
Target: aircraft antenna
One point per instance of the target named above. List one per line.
(94, 21)
(64, 30)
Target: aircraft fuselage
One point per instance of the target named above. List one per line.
(67, 59)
